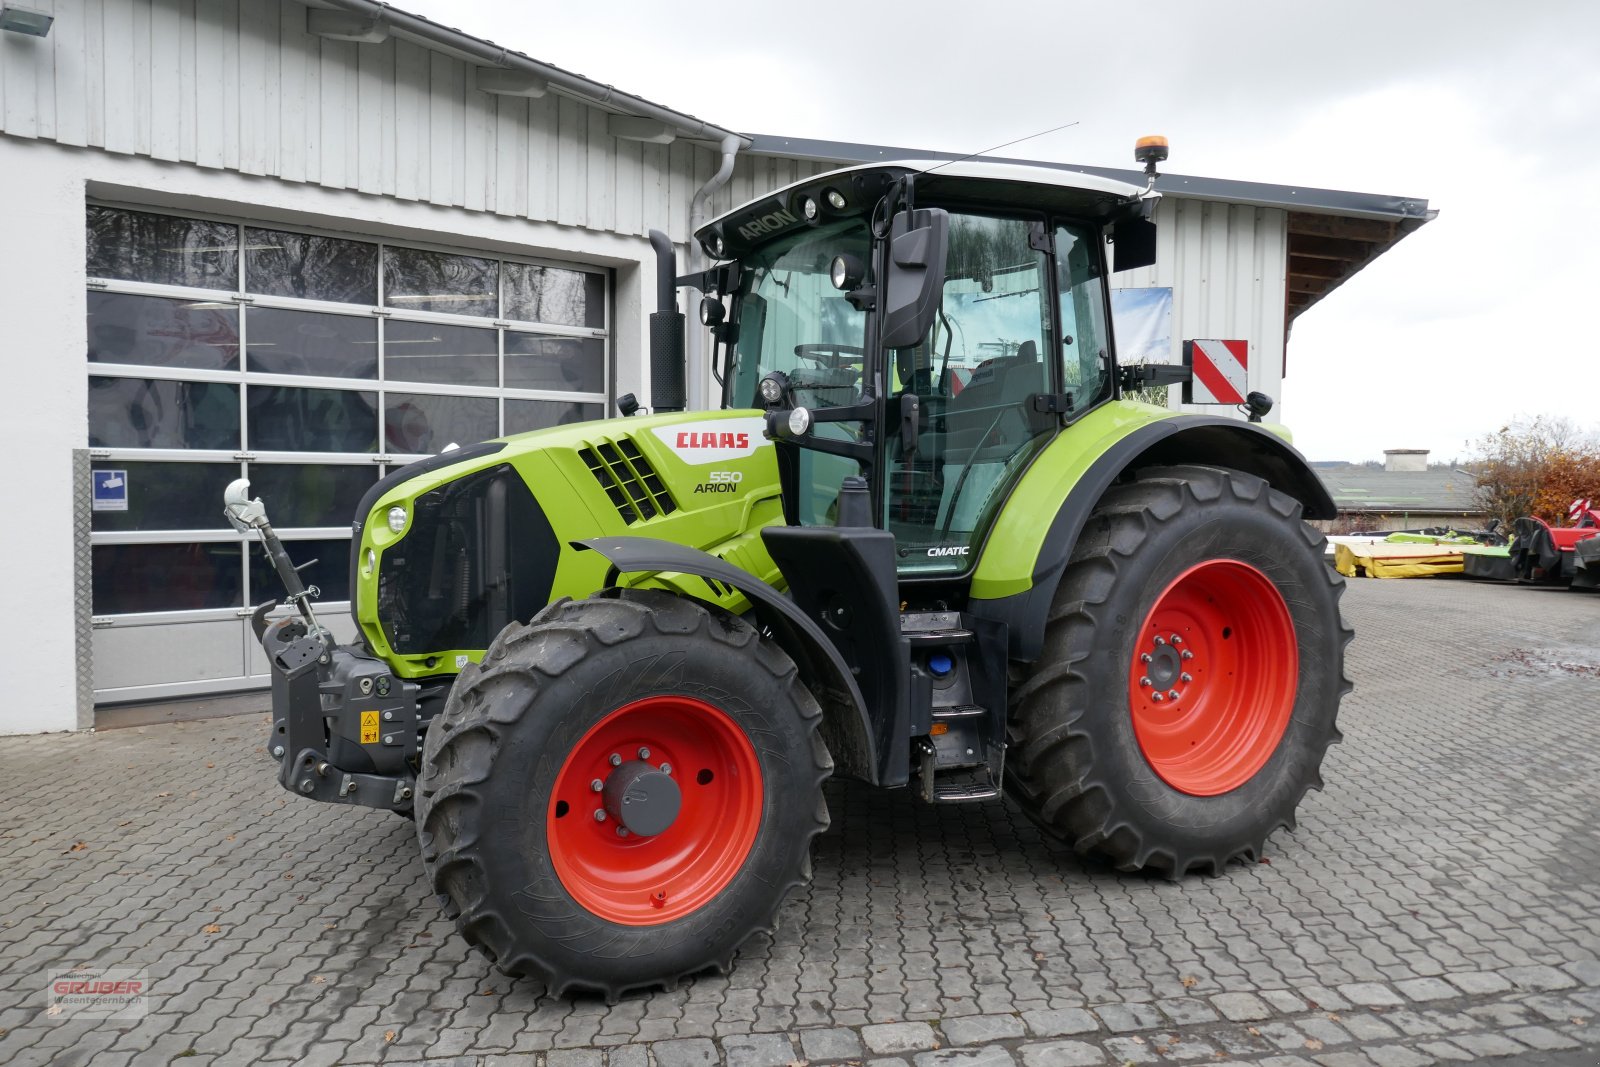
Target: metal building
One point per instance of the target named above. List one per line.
(307, 242)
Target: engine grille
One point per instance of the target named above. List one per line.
(631, 483)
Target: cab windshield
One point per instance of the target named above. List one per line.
(792, 319)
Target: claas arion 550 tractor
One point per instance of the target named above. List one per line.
(927, 543)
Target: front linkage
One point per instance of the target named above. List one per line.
(348, 731)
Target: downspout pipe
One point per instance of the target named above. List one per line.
(699, 215)
(698, 206)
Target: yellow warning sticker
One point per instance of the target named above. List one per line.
(369, 727)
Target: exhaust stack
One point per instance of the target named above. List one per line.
(668, 367)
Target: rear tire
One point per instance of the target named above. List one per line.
(695, 706)
(1104, 756)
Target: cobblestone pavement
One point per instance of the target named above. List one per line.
(1439, 903)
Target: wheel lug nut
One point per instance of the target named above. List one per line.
(1145, 682)
(1156, 697)
(1161, 640)
(644, 753)
(1187, 654)
(597, 785)
(666, 768)
(1144, 657)
(616, 760)
(1184, 677)
(599, 815)
(1173, 693)
(622, 831)
(1177, 640)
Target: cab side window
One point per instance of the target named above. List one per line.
(1084, 339)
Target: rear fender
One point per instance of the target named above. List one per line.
(1194, 439)
(821, 666)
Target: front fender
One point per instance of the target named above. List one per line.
(821, 666)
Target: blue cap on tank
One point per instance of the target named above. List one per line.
(941, 664)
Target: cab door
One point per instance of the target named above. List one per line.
(992, 349)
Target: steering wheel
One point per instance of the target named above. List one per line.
(830, 356)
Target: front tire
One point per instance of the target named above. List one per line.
(703, 743)
(1191, 675)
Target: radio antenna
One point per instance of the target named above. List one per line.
(996, 148)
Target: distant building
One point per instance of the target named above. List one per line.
(1405, 495)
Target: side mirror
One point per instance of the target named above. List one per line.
(913, 284)
(1133, 244)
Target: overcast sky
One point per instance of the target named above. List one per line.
(1490, 111)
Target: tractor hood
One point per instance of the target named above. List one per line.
(448, 551)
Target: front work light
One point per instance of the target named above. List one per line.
(711, 311)
(845, 271)
(772, 387)
(397, 520)
(835, 199)
(799, 421)
(808, 208)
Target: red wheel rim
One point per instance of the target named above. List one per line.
(641, 880)
(1213, 677)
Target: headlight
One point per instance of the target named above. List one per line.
(799, 421)
(836, 199)
(397, 520)
(808, 208)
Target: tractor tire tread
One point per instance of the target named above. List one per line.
(461, 750)
(1056, 774)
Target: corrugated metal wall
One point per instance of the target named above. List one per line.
(1227, 265)
(239, 85)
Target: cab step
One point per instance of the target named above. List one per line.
(958, 711)
(979, 780)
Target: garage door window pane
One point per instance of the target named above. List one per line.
(564, 364)
(315, 268)
(428, 352)
(415, 280)
(168, 496)
(312, 420)
(525, 415)
(550, 294)
(143, 247)
(306, 342)
(310, 494)
(146, 413)
(330, 574)
(425, 424)
(131, 578)
(156, 331)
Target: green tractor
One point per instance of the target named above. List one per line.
(928, 542)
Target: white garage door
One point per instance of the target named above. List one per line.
(310, 363)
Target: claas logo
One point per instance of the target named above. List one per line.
(693, 439)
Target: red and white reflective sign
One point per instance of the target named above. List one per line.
(1575, 512)
(1220, 371)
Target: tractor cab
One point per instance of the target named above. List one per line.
(927, 326)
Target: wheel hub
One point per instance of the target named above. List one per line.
(1213, 678)
(643, 798)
